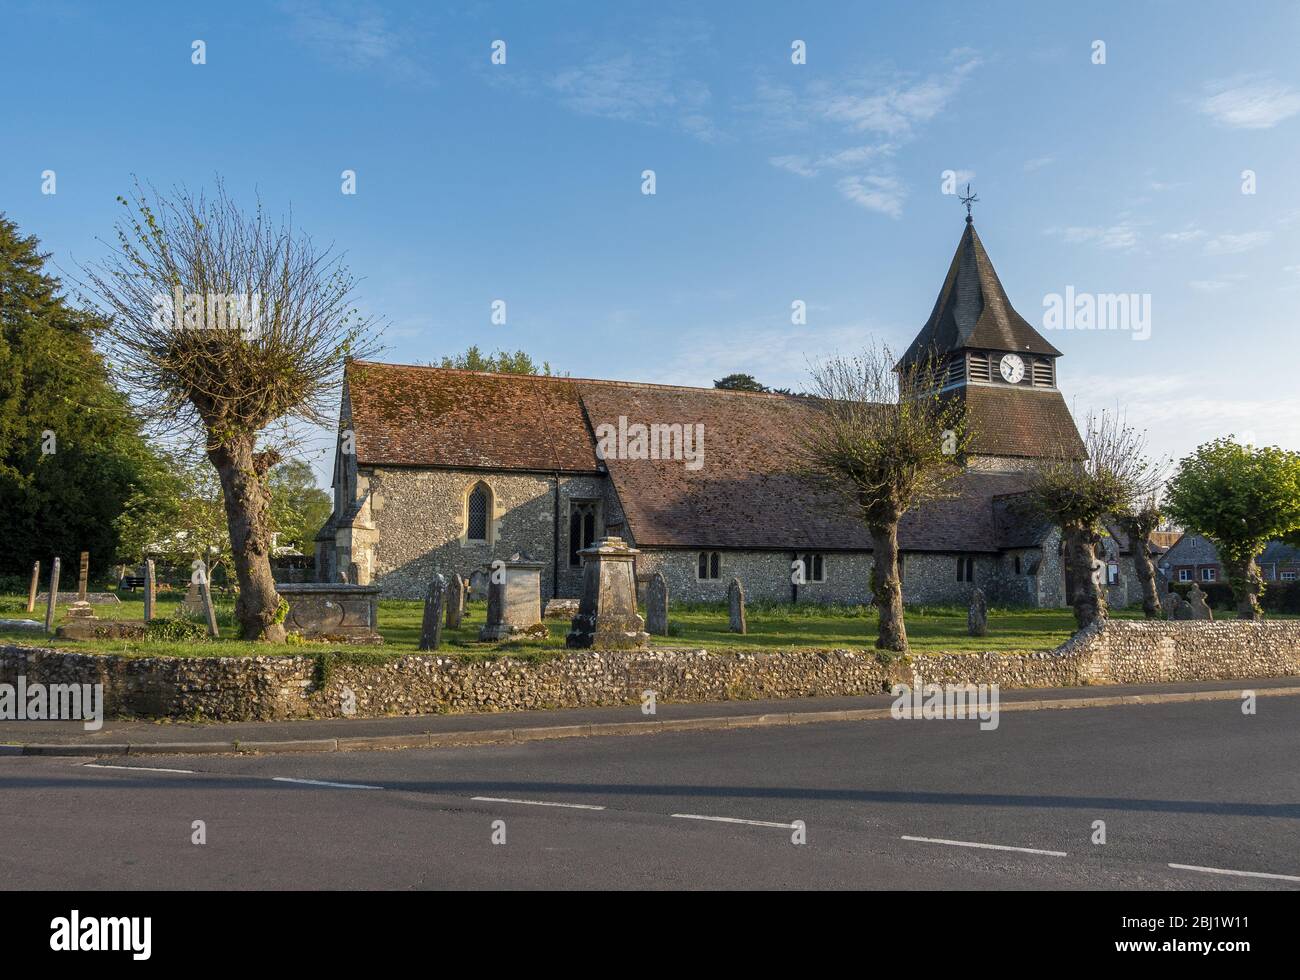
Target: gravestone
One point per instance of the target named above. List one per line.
(209, 612)
(455, 602)
(150, 588)
(977, 617)
(514, 598)
(53, 597)
(478, 584)
(81, 609)
(332, 611)
(607, 618)
(192, 604)
(736, 607)
(1200, 609)
(1177, 607)
(435, 599)
(31, 591)
(656, 605)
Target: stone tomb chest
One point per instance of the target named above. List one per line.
(333, 611)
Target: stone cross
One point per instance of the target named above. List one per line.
(455, 602)
(736, 607)
(31, 590)
(82, 576)
(977, 617)
(150, 588)
(607, 618)
(656, 605)
(54, 597)
(434, 601)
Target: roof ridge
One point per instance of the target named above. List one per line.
(558, 377)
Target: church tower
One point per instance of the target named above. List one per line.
(1004, 369)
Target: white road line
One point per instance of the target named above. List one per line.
(321, 782)
(1240, 874)
(752, 823)
(96, 765)
(989, 847)
(569, 806)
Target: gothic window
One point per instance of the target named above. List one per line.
(965, 568)
(478, 513)
(813, 569)
(710, 565)
(582, 528)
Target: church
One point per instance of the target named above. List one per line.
(442, 471)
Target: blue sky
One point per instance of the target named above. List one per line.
(775, 182)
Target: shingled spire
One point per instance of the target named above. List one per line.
(973, 312)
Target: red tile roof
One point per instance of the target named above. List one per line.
(1018, 421)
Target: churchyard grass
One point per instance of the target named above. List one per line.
(931, 629)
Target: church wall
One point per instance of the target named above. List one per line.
(419, 521)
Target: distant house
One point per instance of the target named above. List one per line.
(1194, 559)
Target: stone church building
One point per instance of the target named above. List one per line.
(441, 471)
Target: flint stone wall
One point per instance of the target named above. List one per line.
(272, 688)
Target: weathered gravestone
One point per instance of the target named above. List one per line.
(1177, 607)
(150, 588)
(736, 607)
(607, 618)
(656, 605)
(192, 604)
(435, 599)
(53, 597)
(1196, 601)
(514, 598)
(977, 617)
(31, 590)
(478, 584)
(455, 602)
(332, 611)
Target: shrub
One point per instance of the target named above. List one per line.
(177, 629)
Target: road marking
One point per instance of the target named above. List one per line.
(96, 765)
(321, 782)
(1241, 874)
(752, 823)
(570, 806)
(990, 847)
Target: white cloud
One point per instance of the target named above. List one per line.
(1183, 237)
(1037, 163)
(895, 108)
(883, 194)
(646, 87)
(1122, 236)
(1234, 244)
(1250, 102)
(358, 39)
(854, 156)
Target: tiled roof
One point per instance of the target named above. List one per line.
(972, 310)
(1014, 421)
(747, 494)
(421, 416)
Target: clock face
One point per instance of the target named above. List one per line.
(1013, 368)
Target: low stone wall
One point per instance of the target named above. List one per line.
(269, 688)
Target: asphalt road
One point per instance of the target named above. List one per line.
(1195, 784)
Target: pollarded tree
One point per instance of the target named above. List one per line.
(886, 439)
(1078, 495)
(228, 327)
(1239, 498)
(1139, 522)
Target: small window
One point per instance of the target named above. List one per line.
(582, 528)
(1017, 564)
(1112, 574)
(1184, 574)
(813, 570)
(965, 568)
(476, 524)
(1208, 575)
(1288, 576)
(709, 566)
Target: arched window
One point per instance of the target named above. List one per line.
(478, 513)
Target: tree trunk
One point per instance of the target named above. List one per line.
(1140, 545)
(1247, 583)
(248, 507)
(1089, 598)
(886, 589)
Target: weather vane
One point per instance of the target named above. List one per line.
(968, 200)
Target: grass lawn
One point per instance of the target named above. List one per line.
(930, 629)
